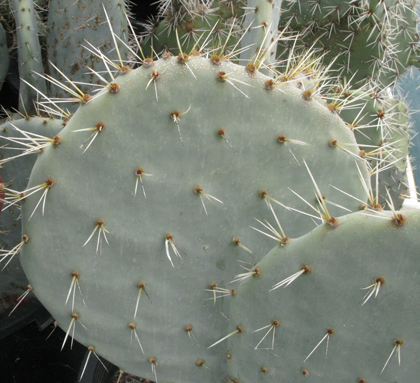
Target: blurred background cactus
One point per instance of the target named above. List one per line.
(189, 124)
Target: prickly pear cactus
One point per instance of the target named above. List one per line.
(141, 209)
(334, 303)
(15, 174)
(149, 219)
(381, 128)
(181, 23)
(30, 59)
(365, 40)
(77, 32)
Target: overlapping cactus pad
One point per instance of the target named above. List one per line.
(138, 207)
(334, 305)
(15, 174)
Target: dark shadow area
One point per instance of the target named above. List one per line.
(27, 356)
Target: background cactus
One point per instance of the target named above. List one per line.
(184, 23)
(30, 60)
(374, 41)
(174, 168)
(75, 29)
(381, 128)
(15, 174)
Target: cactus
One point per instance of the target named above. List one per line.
(30, 60)
(178, 171)
(381, 128)
(360, 328)
(366, 40)
(15, 176)
(185, 23)
(70, 56)
(198, 203)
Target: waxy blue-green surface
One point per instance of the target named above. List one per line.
(98, 183)
(343, 261)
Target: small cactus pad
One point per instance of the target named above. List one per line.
(15, 174)
(345, 299)
(74, 29)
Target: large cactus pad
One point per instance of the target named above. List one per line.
(149, 185)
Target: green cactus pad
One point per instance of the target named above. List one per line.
(73, 26)
(381, 128)
(15, 176)
(190, 24)
(176, 153)
(336, 298)
(30, 60)
(15, 173)
(376, 41)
